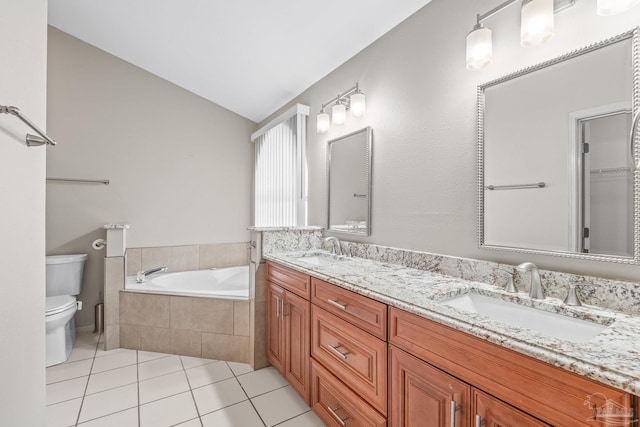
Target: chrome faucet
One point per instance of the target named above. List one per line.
(335, 243)
(536, 291)
(142, 275)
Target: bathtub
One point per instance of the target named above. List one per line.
(223, 283)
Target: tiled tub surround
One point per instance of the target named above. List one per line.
(189, 326)
(612, 358)
(177, 258)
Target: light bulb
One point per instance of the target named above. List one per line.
(479, 48)
(338, 114)
(322, 122)
(611, 7)
(536, 22)
(358, 105)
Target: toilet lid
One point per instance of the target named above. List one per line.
(59, 304)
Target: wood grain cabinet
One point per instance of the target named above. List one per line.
(288, 338)
(508, 388)
(421, 395)
(359, 363)
(349, 357)
(491, 412)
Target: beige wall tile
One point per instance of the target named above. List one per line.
(186, 343)
(184, 258)
(155, 339)
(202, 314)
(260, 354)
(261, 283)
(154, 257)
(130, 337)
(225, 347)
(112, 337)
(241, 318)
(113, 273)
(224, 255)
(260, 319)
(258, 335)
(111, 308)
(134, 261)
(145, 309)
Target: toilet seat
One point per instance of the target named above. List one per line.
(58, 304)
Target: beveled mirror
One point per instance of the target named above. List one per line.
(349, 183)
(555, 156)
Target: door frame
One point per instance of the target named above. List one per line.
(575, 166)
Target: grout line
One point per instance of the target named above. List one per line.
(138, 385)
(184, 371)
(88, 379)
(292, 418)
(246, 394)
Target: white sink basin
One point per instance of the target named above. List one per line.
(319, 258)
(547, 323)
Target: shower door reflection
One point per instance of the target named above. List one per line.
(605, 185)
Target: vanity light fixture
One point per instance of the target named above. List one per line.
(323, 123)
(612, 7)
(353, 100)
(536, 22)
(536, 27)
(338, 113)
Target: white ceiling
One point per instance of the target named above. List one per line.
(249, 56)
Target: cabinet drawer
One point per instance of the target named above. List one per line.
(551, 394)
(363, 312)
(356, 357)
(337, 405)
(291, 280)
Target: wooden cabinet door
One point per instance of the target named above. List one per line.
(275, 327)
(423, 396)
(297, 320)
(491, 412)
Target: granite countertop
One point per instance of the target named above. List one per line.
(612, 357)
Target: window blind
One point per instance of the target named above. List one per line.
(280, 174)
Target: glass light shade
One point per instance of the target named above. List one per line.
(339, 114)
(536, 22)
(611, 7)
(479, 48)
(322, 122)
(358, 105)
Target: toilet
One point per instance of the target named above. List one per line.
(63, 283)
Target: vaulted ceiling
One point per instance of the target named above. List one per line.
(249, 56)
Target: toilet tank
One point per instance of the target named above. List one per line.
(64, 274)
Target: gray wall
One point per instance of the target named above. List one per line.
(421, 104)
(22, 170)
(179, 165)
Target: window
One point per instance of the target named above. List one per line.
(280, 193)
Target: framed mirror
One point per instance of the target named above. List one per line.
(349, 183)
(556, 159)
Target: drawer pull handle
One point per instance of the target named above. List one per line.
(336, 416)
(337, 352)
(479, 421)
(453, 409)
(337, 304)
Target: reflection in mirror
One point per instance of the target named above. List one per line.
(555, 157)
(349, 179)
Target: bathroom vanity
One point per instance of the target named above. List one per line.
(368, 343)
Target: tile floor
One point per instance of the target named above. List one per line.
(136, 388)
